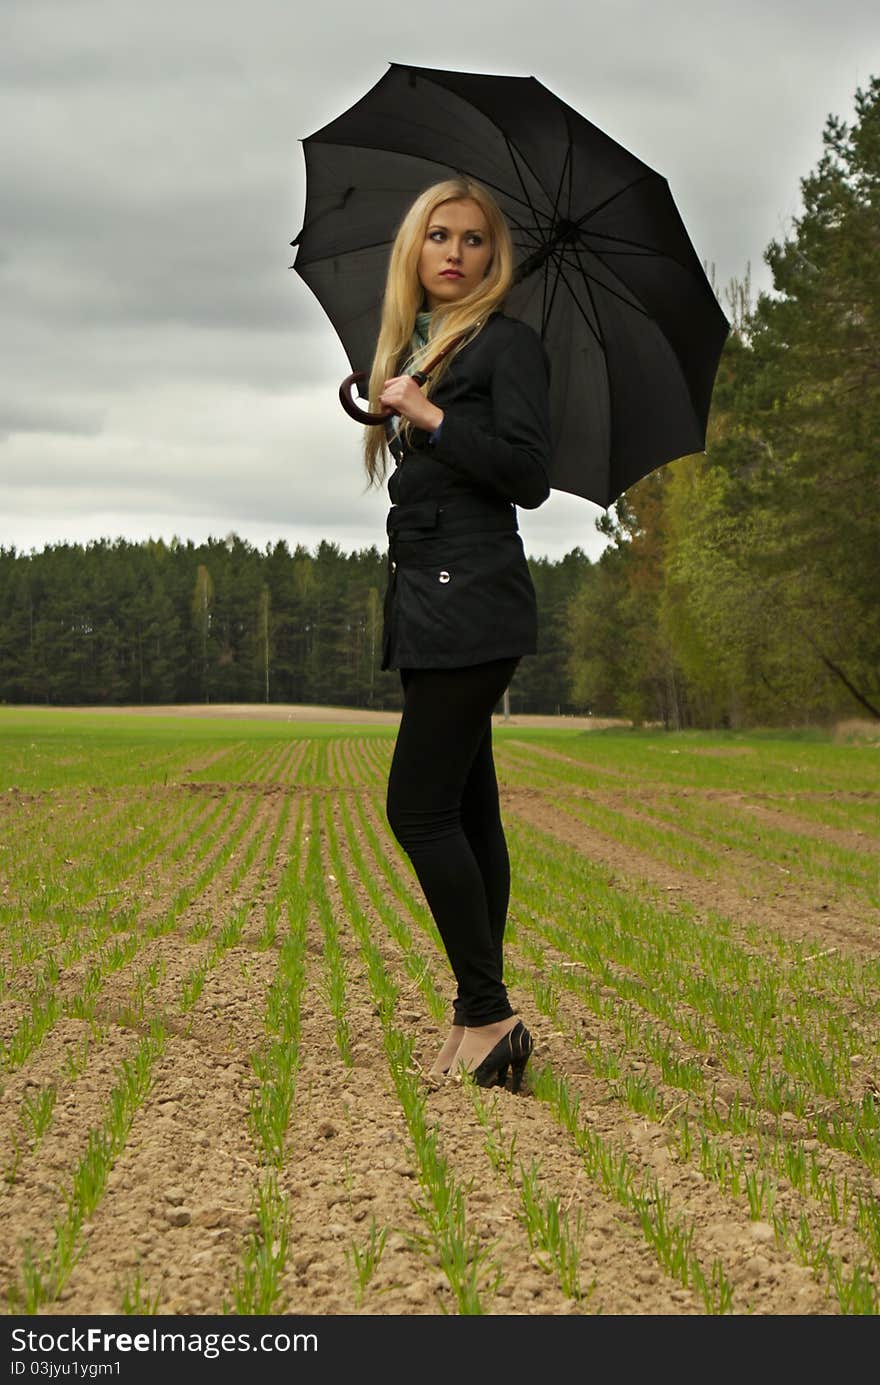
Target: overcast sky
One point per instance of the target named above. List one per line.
(165, 373)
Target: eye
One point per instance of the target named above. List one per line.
(436, 235)
(475, 239)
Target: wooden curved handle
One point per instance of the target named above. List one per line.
(358, 377)
(353, 410)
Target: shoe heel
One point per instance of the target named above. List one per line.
(519, 1067)
(525, 1045)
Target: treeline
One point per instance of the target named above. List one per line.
(738, 587)
(120, 623)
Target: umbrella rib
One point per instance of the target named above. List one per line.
(527, 245)
(526, 229)
(640, 251)
(619, 193)
(558, 259)
(545, 315)
(622, 240)
(320, 259)
(625, 240)
(512, 152)
(566, 165)
(597, 333)
(636, 306)
(636, 251)
(593, 327)
(545, 310)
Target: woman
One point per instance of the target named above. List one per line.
(460, 607)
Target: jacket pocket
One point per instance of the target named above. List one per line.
(460, 598)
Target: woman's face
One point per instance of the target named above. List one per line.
(456, 253)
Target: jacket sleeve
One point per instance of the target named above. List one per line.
(514, 459)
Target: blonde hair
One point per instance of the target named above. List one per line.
(404, 295)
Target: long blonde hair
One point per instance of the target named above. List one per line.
(404, 296)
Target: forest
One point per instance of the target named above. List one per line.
(739, 587)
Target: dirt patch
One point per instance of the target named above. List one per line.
(303, 712)
(858, 730)
(724, 752)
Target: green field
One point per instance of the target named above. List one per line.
(221, 990)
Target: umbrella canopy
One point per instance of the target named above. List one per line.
(605, 270)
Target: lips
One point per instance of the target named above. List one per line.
(450, 274)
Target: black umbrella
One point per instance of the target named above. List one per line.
(605, 273)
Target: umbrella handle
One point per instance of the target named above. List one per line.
(352, 409)
(358, 377)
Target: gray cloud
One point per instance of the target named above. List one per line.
(38, 417)
(161, 365)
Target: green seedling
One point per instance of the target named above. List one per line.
(36, 1113)
(136, 1299)
(258, 1281)
(364, 1259)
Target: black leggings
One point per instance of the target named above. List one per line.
(443, 809)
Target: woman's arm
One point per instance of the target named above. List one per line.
(514, 460)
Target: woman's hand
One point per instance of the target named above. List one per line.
(403, 395)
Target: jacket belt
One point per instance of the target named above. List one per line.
(428, 518)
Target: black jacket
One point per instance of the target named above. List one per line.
(459, 589)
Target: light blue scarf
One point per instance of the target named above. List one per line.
(419, 339)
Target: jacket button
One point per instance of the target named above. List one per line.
(444, 577)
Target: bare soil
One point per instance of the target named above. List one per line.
(280, 711)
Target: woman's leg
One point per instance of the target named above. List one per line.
(445, 723)
(481, 821)
(481, 818)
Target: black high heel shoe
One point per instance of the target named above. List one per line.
(513, 1051)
